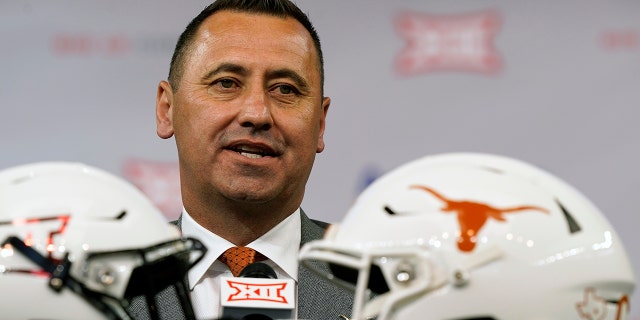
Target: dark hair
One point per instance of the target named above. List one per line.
(278, 8)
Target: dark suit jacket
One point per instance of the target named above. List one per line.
(318, 298)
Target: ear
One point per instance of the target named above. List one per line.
(164, 110)
(326, 101)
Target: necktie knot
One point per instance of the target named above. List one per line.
(237, 258)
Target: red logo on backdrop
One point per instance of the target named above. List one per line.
(84, 44)
(462, 42)
(472, 216)
(159, 181)
(257, 292)
(628, 39)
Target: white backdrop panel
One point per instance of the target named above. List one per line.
(559, 89)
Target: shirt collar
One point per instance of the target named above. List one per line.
(280, 244)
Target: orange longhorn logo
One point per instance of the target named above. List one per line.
(473, 215)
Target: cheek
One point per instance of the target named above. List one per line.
(197, 116)
(191, 131)
(305, 130)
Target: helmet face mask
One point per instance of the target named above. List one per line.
(85, 244)
(475, 236)
(379, 277)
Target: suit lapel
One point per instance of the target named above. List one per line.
(318, 298)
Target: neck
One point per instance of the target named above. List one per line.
(238, 224)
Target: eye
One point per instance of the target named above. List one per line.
(226, 83)
(224, 87)
(285, 89)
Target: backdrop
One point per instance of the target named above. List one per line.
(554, 83)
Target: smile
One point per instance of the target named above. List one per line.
(252, 152)
(251, 155)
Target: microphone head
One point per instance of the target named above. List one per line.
(253, 316)
(258, 270)
(256, 316)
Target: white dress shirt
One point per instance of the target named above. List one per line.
(280, 245)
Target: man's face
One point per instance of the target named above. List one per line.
(249, 115)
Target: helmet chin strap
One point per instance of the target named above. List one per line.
(60, 277)
(31, 254)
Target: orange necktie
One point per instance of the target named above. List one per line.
(237, 258)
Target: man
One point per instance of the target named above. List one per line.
(244, 101)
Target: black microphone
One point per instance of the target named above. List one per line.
(258, 270)
(257, 294)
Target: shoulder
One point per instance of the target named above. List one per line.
(312, 229)
(321, 224)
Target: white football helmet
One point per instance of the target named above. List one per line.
(476, 236)
(80, 243)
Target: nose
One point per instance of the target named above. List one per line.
(256, 111)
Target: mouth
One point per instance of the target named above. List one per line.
(253, 151)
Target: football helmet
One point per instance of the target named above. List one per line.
(475, 236)
(80, 243)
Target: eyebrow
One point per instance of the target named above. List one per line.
(227, 67)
